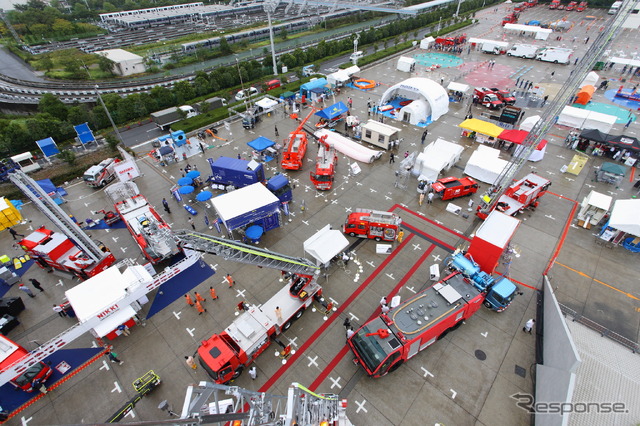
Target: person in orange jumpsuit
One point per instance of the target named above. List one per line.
(229, 279)
(212, 291)
(200, 308)
(199, 298)
(188, 299)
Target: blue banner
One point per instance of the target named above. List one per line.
(84, 133)
(48, 147)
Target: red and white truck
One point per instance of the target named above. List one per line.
(523, 194)
(30, 377)
(507, 97)
(453, 187)
(102, 173)
(296, 147)
(379, 225)
(326, 163)
(486, 97)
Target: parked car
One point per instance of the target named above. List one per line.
(246, 93)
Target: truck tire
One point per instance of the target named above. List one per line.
(555, 62)
(286, 326)
(352, 234)
(509, 54)
(378, 239)
(487, 305)
(237, 373)
(395, 366)
(298, 314)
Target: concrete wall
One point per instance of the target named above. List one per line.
(555, 379)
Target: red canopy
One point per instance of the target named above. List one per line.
(517, 136)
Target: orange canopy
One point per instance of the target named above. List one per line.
(584, 95)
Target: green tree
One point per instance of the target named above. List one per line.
(78, 114)
(164, 97)
(225, 48)
(67, 156)
(112, 142)
(52, 105)
(62, 26)
(183, 92)
(15, 138)
(46, 63)
(105, 64)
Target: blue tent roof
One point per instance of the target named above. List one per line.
(314, 84)
(261, 143)
(333, 111)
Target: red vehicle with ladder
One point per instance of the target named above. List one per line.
(453, 187)
(523, 194)
(294, 151)
(326, 164)
(379, 225)
(29, 377)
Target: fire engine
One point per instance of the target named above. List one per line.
(486, 97)
(507, 97)
(554, 4)
(384, 343)
(451, 41)
(225, 355)
(326, 164)
(572, 5)
(293, 154)
(379, 225)
(511, 18)
(38, 373)
(453, 187)
(582, 6)
(102, 173)
(148, 229)
(522, 195)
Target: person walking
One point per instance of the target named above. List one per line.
(400, 236)
(253, 372)
(392, 158)
(385, 309)
(430, 198)
(229, 279)
(190, 362)
(275, 130)
(199, 298)
(59, 310)
(424, 136)
(14, 233)
(113, 357)
(383, 301)
(279, 313)
(350, 332)
(190, 220)
(26, 290)
(544, 100)
(36, 284)
(212, 292)
(189, 300)
(165, 204)
(200, 308)
(529, 326)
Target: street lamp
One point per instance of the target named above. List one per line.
(270, 7)
(115, 128)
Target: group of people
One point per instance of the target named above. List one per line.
(198, 300)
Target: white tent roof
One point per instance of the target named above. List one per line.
(421, 88)
(338, 77)
(325, 244)
(590, 80)
(243, 200)
(406, 59)
(528, 123)
(485, 165)
(598, 200)
(541, 33)
(625, 61)
(353, 69)
(437, 156)
(625, 217)
(458, 87)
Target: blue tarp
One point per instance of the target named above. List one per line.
(51, 190)
(84, 133)
(333, 111)
(48, 147)
(315, 84)
(261, 143)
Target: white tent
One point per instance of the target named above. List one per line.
(541, 33)
(426, 43)
(458, 87)
(353, 69)
(325, 244)
(590, 80)
(625, 217)
(593, 207)
(338, 78)
(267, 104)
(528, 123)
(430, 100)
(436, 157)
(485, 164)
(583, 119)
(406, 64)
(348, 147)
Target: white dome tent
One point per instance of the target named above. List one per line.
(430, 100)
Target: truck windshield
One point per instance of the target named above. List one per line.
(322, 178)
(208, 369)
(27, 377)
(89, 178)
(368, 349)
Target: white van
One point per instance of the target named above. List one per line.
(555, 55)
(356, 55)
(614, 8)
(494, 47)
(527, 51)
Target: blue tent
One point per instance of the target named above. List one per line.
(319, 83)
(333, 111)
(261, 143)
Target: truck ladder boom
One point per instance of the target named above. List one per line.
(244, 253)
(549, 116)
(59, 217)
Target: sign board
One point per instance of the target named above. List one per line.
(63, 367)
(126, 171)
(577, 164)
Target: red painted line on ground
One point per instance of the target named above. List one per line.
(436, 241)
(451, 231)
(273, 379)
(565, 231)
(345, 349)
(562, 197)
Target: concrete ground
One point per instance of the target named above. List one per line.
(466, 378)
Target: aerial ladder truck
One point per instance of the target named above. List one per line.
(296, 147)
(596, 51)
(326, 163)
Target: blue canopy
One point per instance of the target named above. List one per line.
(185, 181)
(193, 174)
(261, 143)
(204, 196)
(333, 111)
(165, 150)
(315, 84)
(188, 189)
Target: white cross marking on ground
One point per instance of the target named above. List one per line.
(372, 190)
(453, 394)
(334, 201)
(436, 257)
(305, 222)
(485, 334)
(612, 192)
(574, 226)
(177, 314)
(533, 167)
(348, 209)
(171, 177)
(560, 156)
(359, 183)
(411, 289)
(240, 293)
(569, 179)
(164, 171)
(390, 276)
(116, 388)
(438, 222)
(25, 421)
(387, 197)
(455, 230)
(416, 247)
(124, 250)
(115, 239)
(312, 361)
(333, 301)
(105, 365)
(550, 217)
(335, 382)
(361, 406)
(214, 267)
(426, 372)
(190, 331)
(550, 173)
(370, 263)
(293, 341)
(60, 283)
(353, 317)
(590, 186)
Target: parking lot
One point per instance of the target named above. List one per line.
(467, 377)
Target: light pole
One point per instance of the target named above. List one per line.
(115, 128)
(270, 7)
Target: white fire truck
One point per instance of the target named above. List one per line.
(102, 173)
(379, 225)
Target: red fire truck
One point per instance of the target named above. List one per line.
(522, 195)
(30, 377)
(326, 164)
(554, 4)
(379, 225)
(293, 154)
(453, 187)
(54, 250)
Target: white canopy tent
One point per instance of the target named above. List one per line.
(593, 207)
(590, 80)
(426, 43)
(348, 147)
(526, 125)
(338, 78)
(267, 104)
(353, 69)
(406, 64)
(540, 33)
(458, 87)
(436, 157)
(430, 100)
(325, 244)
(584, 119)
(625, 61)
(625, 217)
(485, 165)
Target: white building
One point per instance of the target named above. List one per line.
(125, 63)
